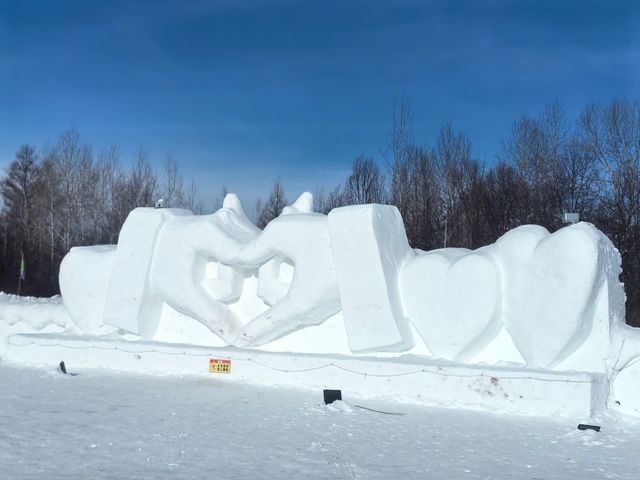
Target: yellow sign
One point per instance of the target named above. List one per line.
(219, 366)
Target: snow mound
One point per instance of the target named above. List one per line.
(30, 315)
(339, 406)
(36, 313)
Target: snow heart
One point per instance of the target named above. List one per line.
(296, 244)
(452, 298)
(187, 244)
(313, 294)
(550, 281)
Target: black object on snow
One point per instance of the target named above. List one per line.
(331, 396)
(63, 369)
(584, 426)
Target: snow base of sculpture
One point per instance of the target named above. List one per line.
(406, 379)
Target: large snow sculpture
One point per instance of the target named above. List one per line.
(185, 247)
(303, 239)
(130, 303)
(552, 285)
(85, 295)
(557, 296)
(166, 256)
(370, 248)
(453, 298)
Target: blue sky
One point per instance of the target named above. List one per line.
(244, 91)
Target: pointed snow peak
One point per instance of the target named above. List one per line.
(232, 202)
(304, 204)
(233, 212)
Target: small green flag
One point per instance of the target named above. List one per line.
(23, 268)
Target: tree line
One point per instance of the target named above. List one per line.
(547, 165)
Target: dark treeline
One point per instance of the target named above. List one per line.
(548, 165)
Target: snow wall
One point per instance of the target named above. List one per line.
(349, 283)
(31, 315)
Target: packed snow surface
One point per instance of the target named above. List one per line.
(97, 425)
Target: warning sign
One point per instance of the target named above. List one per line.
(219, 366)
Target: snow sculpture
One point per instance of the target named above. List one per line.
(303, 239)
(552, 285)
(185, 246)
(85, 295)
(557, 295)
(370, 248)
(130, 304)
(550, 291)
(276, 275)
(162, 257)
(453, 298)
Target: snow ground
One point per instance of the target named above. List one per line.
(114, 426)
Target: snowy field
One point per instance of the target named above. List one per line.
(116, 426)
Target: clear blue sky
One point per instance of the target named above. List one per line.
(244, 91)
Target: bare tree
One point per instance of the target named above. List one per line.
(580, 188)
(18, 190)
(192, 200)
(365, 184)
(453, 159)
(111, 197)
(142, 182)
(325, 202)
(218, 200)
(612, 133)
(172, 189)
(77, 180)
(400, 142)
(420, 197)
(273, 206)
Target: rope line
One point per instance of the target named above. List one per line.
(379, 411)
(302, 370)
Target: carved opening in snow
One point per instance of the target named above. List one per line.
(274, 279)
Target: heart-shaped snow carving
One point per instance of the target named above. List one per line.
(549, 282)
(452, 298)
